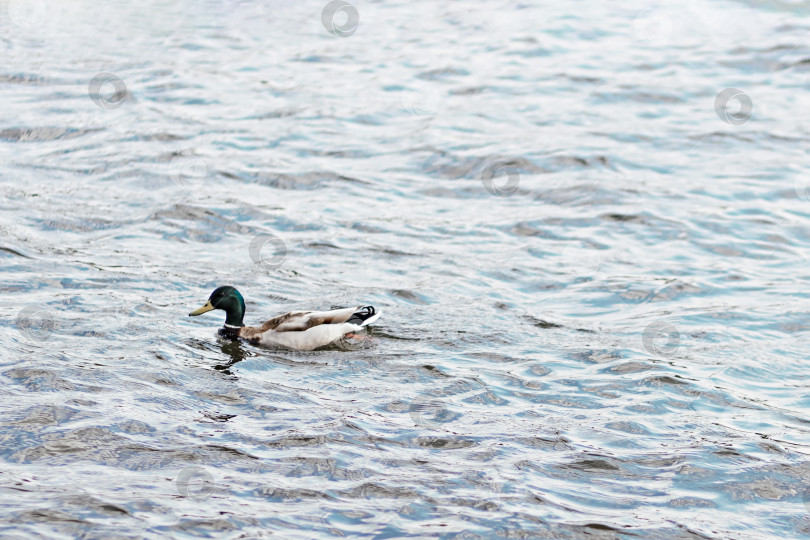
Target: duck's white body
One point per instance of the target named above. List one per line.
(306, 330)
(311, 338)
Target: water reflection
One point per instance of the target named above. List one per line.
(234, 350)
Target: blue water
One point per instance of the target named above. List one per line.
(587, 225)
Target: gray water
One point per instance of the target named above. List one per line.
(591, 256)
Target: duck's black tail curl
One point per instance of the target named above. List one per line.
(364, 316)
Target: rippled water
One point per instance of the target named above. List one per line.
(591, 258)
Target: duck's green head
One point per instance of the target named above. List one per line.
(227, 299)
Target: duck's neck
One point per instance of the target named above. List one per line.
(234, 307)
(234, 318)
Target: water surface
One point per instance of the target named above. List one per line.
(593, 271)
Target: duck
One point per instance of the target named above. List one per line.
(299, 330)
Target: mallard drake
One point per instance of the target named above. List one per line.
(300, 330)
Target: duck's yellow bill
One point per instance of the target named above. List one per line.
(206, 308)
